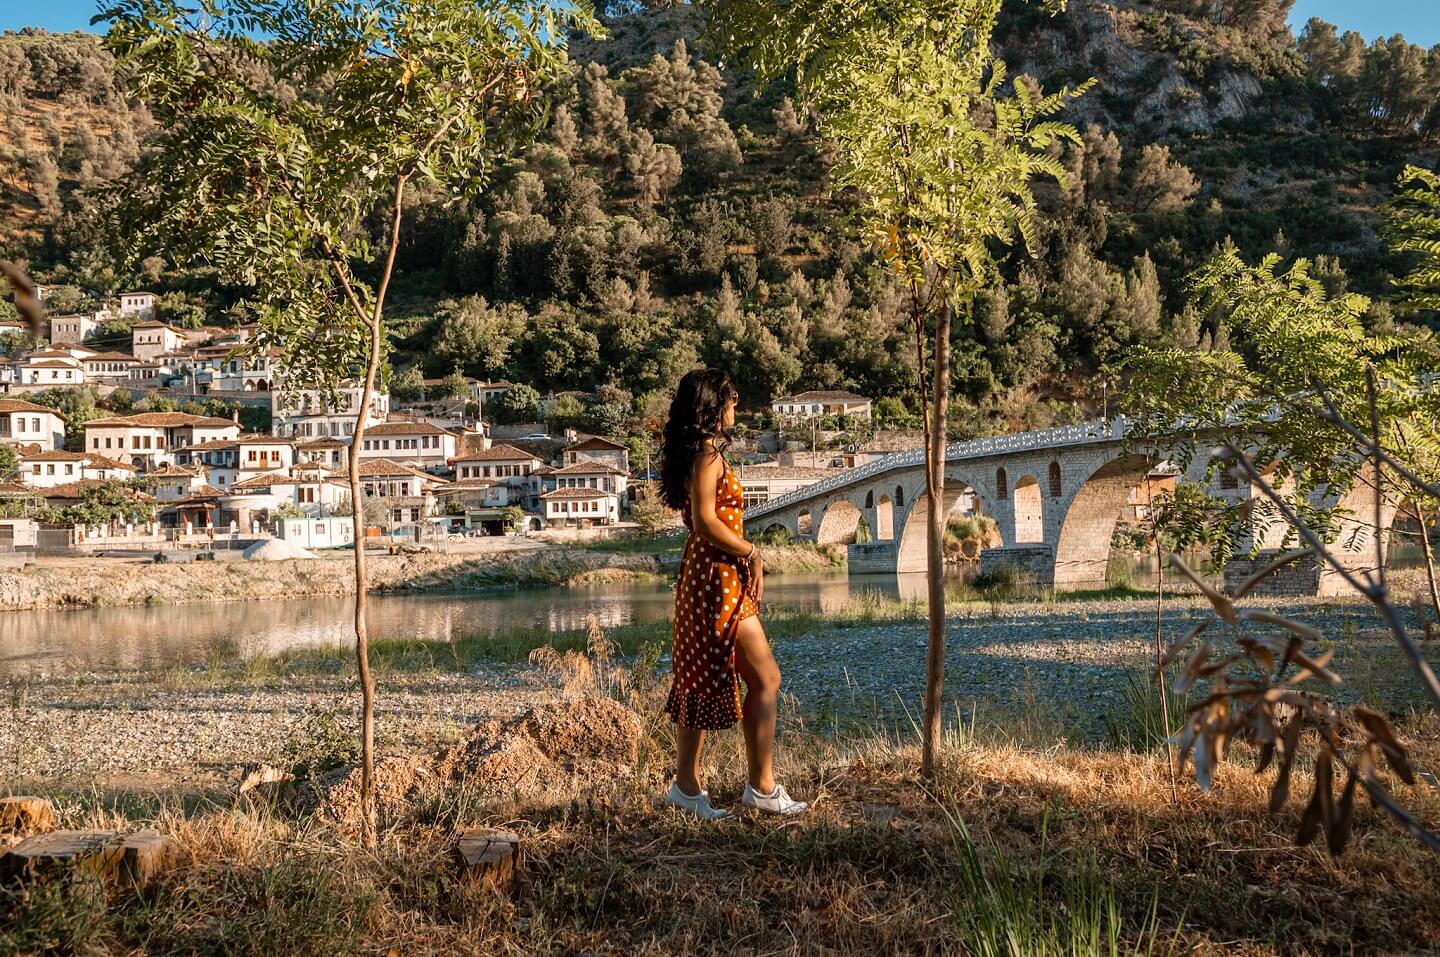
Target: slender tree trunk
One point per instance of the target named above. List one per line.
(374, 325)
(1429, 561)
(935, 546)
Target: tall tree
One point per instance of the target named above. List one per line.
(291, 125)
(942, 147)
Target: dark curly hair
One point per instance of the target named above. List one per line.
(696, 414)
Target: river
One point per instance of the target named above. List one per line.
(100, 639)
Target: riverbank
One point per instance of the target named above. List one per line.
(1051, 673)
(1021, 838)
(90, 583)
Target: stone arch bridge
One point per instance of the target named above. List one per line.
(1056, 496)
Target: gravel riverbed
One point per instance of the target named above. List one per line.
(1044, 669)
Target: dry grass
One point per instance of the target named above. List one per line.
(875, 868)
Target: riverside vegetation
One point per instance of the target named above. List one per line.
(114, 583)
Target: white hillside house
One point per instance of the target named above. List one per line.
(308, 414)
(25, 423)
(150, 439)
(49, 368)
(580, 506)
(420, 444)
(47, 469)
(141, 304)
(150, 340)
(811, 405)
(596, 449)
(230, 461)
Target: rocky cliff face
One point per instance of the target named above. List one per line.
(1158, 73)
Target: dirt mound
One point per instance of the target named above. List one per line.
(398, 781)
(275, 550)
(548, 747)
(547, 750)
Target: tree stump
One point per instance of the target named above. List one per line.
(109, 855)
(23, 816)
(488, 856)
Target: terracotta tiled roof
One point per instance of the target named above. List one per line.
(595, 443)
(822, 396)
(253, 438)
(588, 468)
(58, 455)
(175, 471)
(105, 462)
(380, 467)
(264, 480)
(578, 493)
(73, 490)
(160, 420)
(500, 453)
(405, 428)
(20, 405)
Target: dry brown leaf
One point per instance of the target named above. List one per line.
(1344, 819)
(1193, 667)
(1179, 645)
(1315, 666)
(1281, 792)
(1295, 627)
(1267, 752)
(1224, 607)
(1259, 652)
(1314, 816)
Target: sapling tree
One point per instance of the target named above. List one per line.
(1412, 225)
(942, 146)
(292, 132)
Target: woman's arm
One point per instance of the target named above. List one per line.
(704, 478)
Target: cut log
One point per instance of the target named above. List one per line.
(145, 855)
(488, 856)
(47, 855)
(109, 855)
(23, 815)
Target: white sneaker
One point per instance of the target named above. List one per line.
(697, 804)
(777, 802)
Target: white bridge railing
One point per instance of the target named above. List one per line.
(1085, 433)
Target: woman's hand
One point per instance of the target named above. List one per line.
(755, 585)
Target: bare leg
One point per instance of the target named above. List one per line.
(761, 675)
(688, 742)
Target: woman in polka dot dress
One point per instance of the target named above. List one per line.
(718, 641)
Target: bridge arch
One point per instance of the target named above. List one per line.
(1082, 549)
(911, 534)
(839, 524)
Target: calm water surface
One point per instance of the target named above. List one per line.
(97, 639)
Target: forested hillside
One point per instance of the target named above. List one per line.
(669, 216)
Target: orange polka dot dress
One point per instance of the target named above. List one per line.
(710, 602)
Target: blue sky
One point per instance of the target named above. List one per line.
(1419, 20)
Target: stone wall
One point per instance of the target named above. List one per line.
(1036, 561)
(878, 557)
(1298, 578)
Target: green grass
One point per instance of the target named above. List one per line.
(1040, 905)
